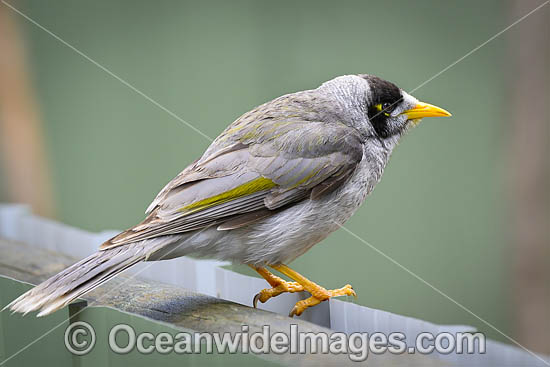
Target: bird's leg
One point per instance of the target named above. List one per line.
(278, 286)
(318, 293)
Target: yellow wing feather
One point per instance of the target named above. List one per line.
(258, 184)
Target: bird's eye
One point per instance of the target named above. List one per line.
(384, 108)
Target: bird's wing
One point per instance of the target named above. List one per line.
(266, 167)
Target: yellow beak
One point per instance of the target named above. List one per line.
(425, 110)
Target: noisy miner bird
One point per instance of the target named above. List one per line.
(277, 181)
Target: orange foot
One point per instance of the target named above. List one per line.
(301, 306)
(318, 293)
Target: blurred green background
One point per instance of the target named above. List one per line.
(439, 210)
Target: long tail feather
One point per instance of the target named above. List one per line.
(79, 278)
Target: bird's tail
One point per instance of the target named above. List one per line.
(79, 278)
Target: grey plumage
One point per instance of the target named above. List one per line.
(273, 184)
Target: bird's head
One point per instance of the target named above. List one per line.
(391, 110)
(379, 108)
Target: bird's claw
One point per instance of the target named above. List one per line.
(255, 300)
(293, 312)
(346, 290)
(266, 294)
